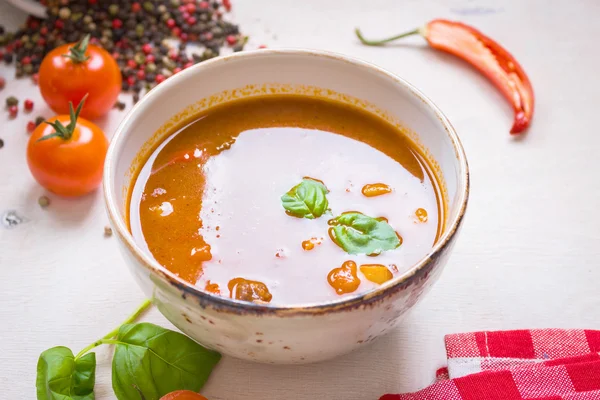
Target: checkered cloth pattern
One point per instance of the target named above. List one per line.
(537, 364)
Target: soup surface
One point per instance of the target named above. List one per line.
(286, 200)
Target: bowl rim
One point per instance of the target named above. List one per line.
(227, 304)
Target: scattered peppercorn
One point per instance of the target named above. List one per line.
(1, 143)
(28, 105)
(133, 31)
(2, 83)
(120, 105)
(39, 120)
(13, 111)
(11, 101)
(44, 201)
(31, 126)
(107, 231)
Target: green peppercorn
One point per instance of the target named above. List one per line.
(175, 3)
(139, 58)
(113, 9)
(208, 53)
(87, 19)
(150, 68)
(3, 40)
(44, 201)
(19, 72)
(139, 30)
(76, 17)
(28, 69)
(25, 39)
(148, 6)
(64, 13)
(11, 101)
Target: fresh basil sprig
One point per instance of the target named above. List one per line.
(358, 233)
(155, 361)
(62, 376)
(306, 200)
(149, 362)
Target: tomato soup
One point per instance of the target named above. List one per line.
(286, 200)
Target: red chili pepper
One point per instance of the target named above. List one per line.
(486, 55)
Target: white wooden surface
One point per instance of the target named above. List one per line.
(527, 257)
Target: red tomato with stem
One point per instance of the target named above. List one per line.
(66, 154)
(71, 71)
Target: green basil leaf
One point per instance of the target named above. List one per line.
(155, 361)
(61, 377)
(357, 233)
(306, 200)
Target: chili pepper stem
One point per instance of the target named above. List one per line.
(418, 31)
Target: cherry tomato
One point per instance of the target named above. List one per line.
(71, 71)
(66, 155)
(183, 395)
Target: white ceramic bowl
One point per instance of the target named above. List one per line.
(265, 333)
(30, 6)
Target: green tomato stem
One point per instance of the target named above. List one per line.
(65, 132)
(107, 339)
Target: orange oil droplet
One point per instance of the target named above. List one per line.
(376, 273)
(201, 253)
(421, 215)
(375, 189)
(308, 245)
(247, 290)
(344, 279)
(212, 287)
(399, 238)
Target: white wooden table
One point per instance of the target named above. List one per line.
(527, 257)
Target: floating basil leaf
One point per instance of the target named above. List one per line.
(62, 377)
(357, 233)
(306, 200)
(155, 361)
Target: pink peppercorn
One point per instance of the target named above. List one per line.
(150, 58)
(231, 40)
(59, 24)
(147, 48)
(208, 36)
(159, 78)
(131, 80)
(131, 64)
(176, 70)
(171, 23)
(2, 82)
(13, 111)
(191, 7)
(117, 23)
(191, 20)
(30, 126)
(136, 7)
(28, 105)
(141, 75)
(204, 5)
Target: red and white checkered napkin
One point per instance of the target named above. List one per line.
(537, 364)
